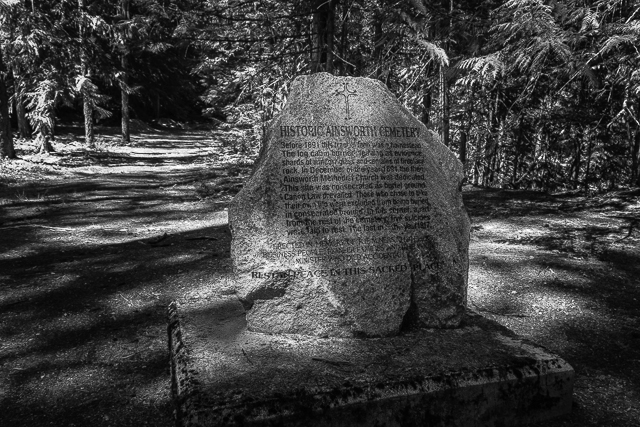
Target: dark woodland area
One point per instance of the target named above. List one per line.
(127, 127)
(531, 94)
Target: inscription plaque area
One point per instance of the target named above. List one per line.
(352, 222)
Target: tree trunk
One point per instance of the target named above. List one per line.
(516, 158)
(476, 170)
(329, 36)
(587, 169)
(24, 130)
(488, 152)
(323, 29)
(126, 136)
(444, 104)
(577, 163)
(6, 139)
(87, 108)
(547, 172)
(426, 104)
(491, 146)
(43, 141)
(635, 152)
(89, 137)
(635, 160)
(574, 172)
(378, 44)
(494, 162)
(463, 147)
(157, 106)
(344, 45)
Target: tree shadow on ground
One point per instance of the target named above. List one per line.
(90, 259)
(565, 278)
(83, 330)
(500, 203)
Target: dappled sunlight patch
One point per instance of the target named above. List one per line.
(43, 282)
(125, 348)
(176, 259)
(219, 285)
(128, 302)
(69, 321)
(615, 395)
(67, 386)
(154, 392)
(19, 251)
(502, 231)
(555, 301)
(13, 341)
(122, 266)
(28, 249)
(25, 336)
(91, 337)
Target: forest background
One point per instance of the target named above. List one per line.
(156, 110)
(530, 94)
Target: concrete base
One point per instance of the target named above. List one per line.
(478, 375)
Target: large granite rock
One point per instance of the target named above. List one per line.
(352, 223)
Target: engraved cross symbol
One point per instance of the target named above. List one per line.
(346, 93)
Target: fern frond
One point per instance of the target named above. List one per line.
(85, 86)
(9, 3)
(101, 112)
(537, 61)
(626, 28)
(158, 47)
(41, 102)
(614, 41)
(489, 66)
(119, 77)
(435, 52)
(587, 73)
(419, 6)
(90, 92)
(635, 82)
(561, 51)
(590, 21)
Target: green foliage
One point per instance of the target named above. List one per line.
(88, 90)
(41, 103)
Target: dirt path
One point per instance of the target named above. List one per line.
(93, 248)
(565, 273)
(94, 245)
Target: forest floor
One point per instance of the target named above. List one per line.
(94, 245)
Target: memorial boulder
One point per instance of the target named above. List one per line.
(352, 222)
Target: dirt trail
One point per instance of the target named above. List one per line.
(564, 271)
(95, 244)
(93, 248)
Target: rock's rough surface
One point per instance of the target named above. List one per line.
(352, 223)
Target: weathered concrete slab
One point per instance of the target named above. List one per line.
(476, 375)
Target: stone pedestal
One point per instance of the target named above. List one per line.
(477, 375)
